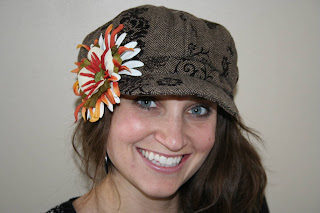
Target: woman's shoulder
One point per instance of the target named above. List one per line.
(65, 207)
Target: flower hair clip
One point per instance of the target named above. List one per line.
(99, 73)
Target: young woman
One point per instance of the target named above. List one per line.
(173, 141)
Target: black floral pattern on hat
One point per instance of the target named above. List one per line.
(225, 66)
(195, 64)
(135, 25)
(153, 63)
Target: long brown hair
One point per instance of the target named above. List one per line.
(232, 179)
(89, 142)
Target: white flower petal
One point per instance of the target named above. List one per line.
(120, 39)
(88, 115)
(115, 37)
(133, 72)
(95, 50)
(131, 44)
(130, 54)
(108, 62)
(100, 41)
(117, 99)
(103, 46)
(133, 64)
(110, 106)
(101, 109)
(109, 37)
(84, 79)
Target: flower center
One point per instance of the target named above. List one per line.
(99, 75)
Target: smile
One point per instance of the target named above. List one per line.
(161, 160)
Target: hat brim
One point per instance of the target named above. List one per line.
(181, 85)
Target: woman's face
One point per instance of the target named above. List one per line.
(157, 143)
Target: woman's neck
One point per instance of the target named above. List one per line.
(116, 195)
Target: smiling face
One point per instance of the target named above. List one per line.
(157, 143)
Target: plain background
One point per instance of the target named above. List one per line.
(278, 93)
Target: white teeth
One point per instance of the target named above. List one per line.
(174, 161)
(156, 157)
(161, 160)
(156, 162)
(169, 161)
(151, 156)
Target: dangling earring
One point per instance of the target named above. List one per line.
(106, 163)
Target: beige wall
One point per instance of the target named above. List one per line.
(278, 93)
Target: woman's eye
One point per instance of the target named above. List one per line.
(199, 111)
(146, 103)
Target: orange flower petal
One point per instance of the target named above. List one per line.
(124, 68)
(116, 89)
(123, 48)
(76, 70)
(116, 63)
(113, 78)
(113, 34)
(77, 111)
(91, 111)
(104, 99)
(84, 46)
(76, 88)
(109, 95)
(108, 30)
(96, 114)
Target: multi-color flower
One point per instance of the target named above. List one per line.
(99, 73)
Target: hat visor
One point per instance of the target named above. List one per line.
(181, 85)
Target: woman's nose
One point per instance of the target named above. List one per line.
(171, 133)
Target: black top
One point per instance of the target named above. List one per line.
(67, 207)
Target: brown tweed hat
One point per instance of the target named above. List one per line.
(182, 55)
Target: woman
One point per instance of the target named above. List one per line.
(174, 140)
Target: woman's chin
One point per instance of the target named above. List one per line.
(160, 193)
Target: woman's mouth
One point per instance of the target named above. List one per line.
(161, 160)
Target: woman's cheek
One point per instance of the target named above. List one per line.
(205, 137)
(133, 127)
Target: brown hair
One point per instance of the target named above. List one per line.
(231, 179)
(89, 142)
